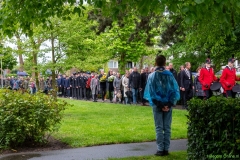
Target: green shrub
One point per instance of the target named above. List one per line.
(214, 128)
(26, 119)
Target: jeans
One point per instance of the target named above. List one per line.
(126, 100)
(135, 95)
(163, 121)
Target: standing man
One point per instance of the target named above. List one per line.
(206, 78)
(162, 92)
(74, 86)
(173, 71)
(134, 84)
(229, 78)
(63, 90)
(179, 84)
(59, 85)
(143, 82)
(67, 86)
(110, 79)
(186, 84)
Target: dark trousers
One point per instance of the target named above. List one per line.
(207, 94)
(187, 95)
(78, 93)
(181, 98)
(88, 93)
(229, 94)
(60, 91)
(71, 92)
(74, 92)
(63, 92)
(82, 93)
(142, 95)
(103, 92)
(110, 92)
(67, 92)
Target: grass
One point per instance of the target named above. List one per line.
(180, 155)
(88, 124)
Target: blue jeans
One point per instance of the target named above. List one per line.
(163, 121)
(135, 95)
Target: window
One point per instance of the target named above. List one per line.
(112, 64)
(129, 65)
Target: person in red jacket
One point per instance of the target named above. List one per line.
(229, 78)
(206, 78)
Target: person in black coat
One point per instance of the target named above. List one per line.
(143, 82)
(110, 79)
(173, 71)
(74, 86)
(67, 86)
(71, 83)
(134, 84)
(179, 84)
(186, 84)
(103, 85)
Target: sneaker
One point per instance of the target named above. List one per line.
(159, 153)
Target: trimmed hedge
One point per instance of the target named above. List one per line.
(26, 119)
(214, 128)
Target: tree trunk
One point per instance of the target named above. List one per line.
(35, 70)
(20, 57)
(53, 70)
(122, 63)
(141, 62)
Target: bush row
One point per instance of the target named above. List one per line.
(214, 128)
(26, 119)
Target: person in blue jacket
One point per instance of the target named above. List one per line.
(162, 92)
(67, 86)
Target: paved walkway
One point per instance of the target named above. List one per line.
(97, 152)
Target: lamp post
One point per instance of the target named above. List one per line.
(1, 56)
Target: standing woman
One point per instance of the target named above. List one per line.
(198, 86)
(94, 85)
(125, 82)
(117, 84)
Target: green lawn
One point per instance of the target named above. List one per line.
(88, 123)
(180, 155)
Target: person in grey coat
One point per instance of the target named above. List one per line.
(117, 84)
(95, 87)
(197, 85)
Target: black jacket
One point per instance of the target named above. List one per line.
(186, 80)
(143, 80)
(134, 80)
(174, 72)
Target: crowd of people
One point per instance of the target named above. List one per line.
(129, 88)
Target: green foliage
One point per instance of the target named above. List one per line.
(26, 119)
(213, 127)
(8, 60)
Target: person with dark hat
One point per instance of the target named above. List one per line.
(67, 86)
(74, 86)
(229, 78)
(206, 78)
